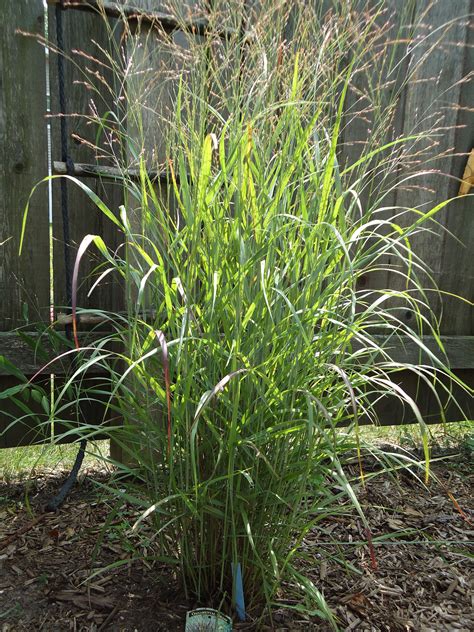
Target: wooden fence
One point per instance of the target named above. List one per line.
(26, 283)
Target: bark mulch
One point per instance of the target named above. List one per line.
(420, 576)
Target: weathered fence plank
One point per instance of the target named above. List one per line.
(152, 87)
(459, 351)
(456, 274)
(25, 422)
(438, 69)
(435, 97)
(23, 164)
(396, 21)
(88, 98)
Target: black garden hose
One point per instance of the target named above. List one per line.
(57, 500)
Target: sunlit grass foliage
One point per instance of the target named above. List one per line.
(247, 339)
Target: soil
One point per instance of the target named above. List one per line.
(418, 576)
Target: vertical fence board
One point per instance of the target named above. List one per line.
(397, 21)
(432, 100)
(23, 163)
(85, 32)
(157, 60)
(457, 272)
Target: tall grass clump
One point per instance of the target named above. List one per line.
(248, 340)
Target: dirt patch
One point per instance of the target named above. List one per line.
(45, 580)
(419, 575)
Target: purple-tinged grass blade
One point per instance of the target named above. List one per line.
(166, 367)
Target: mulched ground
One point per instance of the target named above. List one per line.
(423, 544)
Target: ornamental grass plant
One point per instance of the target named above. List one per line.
(248, 352)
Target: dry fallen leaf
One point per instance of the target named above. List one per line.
(69, 532)
(83, 600)
(358, 602)
(395, 524)
(410, 511)
(54, 535)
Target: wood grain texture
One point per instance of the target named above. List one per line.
(24, 421)
(34, 428)
(382, 85)
(434, 99)
(23, 163)
(82, 170)
(457, 270)
(459, 350)
(147, 12)
(88, 96)
(439, 95)
(457, 407)
(157, 60)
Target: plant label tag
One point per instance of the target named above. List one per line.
(207, 620)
